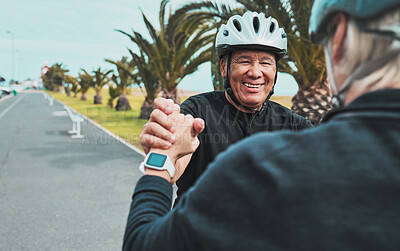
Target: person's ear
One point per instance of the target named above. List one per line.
(222, 67)
(339, 37)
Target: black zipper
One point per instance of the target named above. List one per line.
(257, 113)
(251, 123)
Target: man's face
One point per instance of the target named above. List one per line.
(252, 75)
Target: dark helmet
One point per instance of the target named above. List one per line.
(322, 10)
(359, 10)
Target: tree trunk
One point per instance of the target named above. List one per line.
(83, 97)
(97, 99)
(110, 103)
(67, 91)
(122, 103)
(172, 95)
(313, 101)
(146, 108)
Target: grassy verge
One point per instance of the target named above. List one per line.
(283, 100)
(124, 124)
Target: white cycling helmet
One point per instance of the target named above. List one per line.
(251, 31)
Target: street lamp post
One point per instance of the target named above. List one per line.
(12, 54)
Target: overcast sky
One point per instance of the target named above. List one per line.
(80, 34)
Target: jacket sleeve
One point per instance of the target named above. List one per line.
(151, 224)
(210, 216)
(151, 200)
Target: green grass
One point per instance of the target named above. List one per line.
(124, 124)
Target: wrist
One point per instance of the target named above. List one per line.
(158, 163)
(166, 152)
(160, 173)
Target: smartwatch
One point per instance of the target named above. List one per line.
(158, 161)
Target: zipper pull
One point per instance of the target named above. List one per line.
(262, 108)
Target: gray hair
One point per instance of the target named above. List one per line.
(362, 46)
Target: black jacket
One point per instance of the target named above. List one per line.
(226, 125)
(334, 187)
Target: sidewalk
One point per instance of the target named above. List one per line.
(59, 193)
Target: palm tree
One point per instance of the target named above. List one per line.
(123, 80)
(175, 52)
(54, 77)
(75, 89)
(113, 92)
(211, 16)
(85, 82)
(46, 80)
(100, 79)
(70, 80)
(305, 60)
(58, 76)
(150, 81)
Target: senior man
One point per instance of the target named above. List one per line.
(249, 48)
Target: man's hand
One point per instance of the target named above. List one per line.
(186, 142)
(159, 131)
(186, 132)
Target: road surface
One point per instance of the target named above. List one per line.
(59, 193)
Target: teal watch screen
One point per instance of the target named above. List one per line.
(157, 160)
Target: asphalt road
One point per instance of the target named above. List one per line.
(59, 193)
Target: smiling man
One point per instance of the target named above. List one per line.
(249, 48)
(252, 78)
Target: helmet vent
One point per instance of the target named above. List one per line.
(226, 33)
(256, 24)
(237, 25)
(272, 27)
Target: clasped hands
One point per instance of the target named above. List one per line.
(172, 133)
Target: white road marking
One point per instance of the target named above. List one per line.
(60, 114)
(11, 106)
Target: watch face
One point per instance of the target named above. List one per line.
(156, 160)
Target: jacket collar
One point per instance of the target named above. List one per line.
(381, 101)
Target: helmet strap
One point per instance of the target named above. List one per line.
(227, 83)
(276, 78)
(336, 100)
